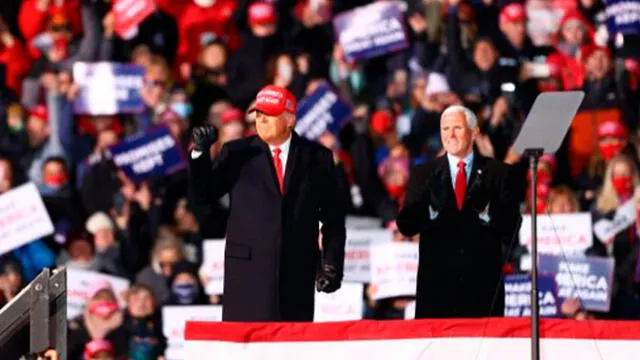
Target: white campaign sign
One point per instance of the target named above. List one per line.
(357, 262)
(394, 269)
(362, 222)
(174, 319)
(78, 286)
(559, 233)
(212, 270)
(625, 216)
(23, 217)
(410, 311)
(342, 305)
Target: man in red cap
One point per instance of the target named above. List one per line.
(281, 187)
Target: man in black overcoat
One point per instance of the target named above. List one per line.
(281, 187)
(463, 206)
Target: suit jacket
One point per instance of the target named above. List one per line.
(272, 251)
(460, 268)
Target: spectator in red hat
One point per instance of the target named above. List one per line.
(35, 15)
(99, 350)
(621, 184)
(232, 127)
(613, 139)
(574, 32)
(101, 319)
(201, 22)
(517, 51)
(262, 38)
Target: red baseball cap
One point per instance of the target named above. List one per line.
(231, 114)
(96, 346)
(40, 112)
(262, 13)
(274, 100)
(513, 12)
(382, 122)
(612, 129)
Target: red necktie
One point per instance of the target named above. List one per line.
(461, 184)
(278, 165)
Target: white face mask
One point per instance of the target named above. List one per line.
(204, 3)
(285, 71)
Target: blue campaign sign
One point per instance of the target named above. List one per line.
(517, 296)
(320, 111)
(372, 30)
(623, 16)
(108, 88)
(589, 279)
(155, 152)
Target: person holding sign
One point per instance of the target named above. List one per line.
(281, 186)
(463, 206)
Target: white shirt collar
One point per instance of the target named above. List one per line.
(454, 160)
(284, 147)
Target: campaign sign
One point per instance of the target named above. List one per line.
(517, 296)
(372, 30)
(410, 310)
(559, 233)
(108, 88)
(624, 217)
(155, 152)
(362, 222)
(321, 111)
(623, 16)
(23, 217)
(343, 305)
(589, 279)
(128, 14)
(394, 269)
(357, 260)
(174, 320)
(212, 270)
(79, 282)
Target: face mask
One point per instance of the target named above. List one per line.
(55, 180)
(103, 309)
(610, 150)
(541, 205)
(83, 265)
(396, 191)
(623, 185)
(285, 72)
(184, 110)
(204, 3)
(185, 293)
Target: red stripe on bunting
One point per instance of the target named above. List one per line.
(410, 329)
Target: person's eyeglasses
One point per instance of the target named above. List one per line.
(156, 83)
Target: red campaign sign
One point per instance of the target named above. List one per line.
(128, 14)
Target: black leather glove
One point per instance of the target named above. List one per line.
(203, 137)
(328, 280)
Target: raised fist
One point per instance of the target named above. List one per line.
(203, 137)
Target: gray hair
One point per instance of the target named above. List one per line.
(470, 117)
